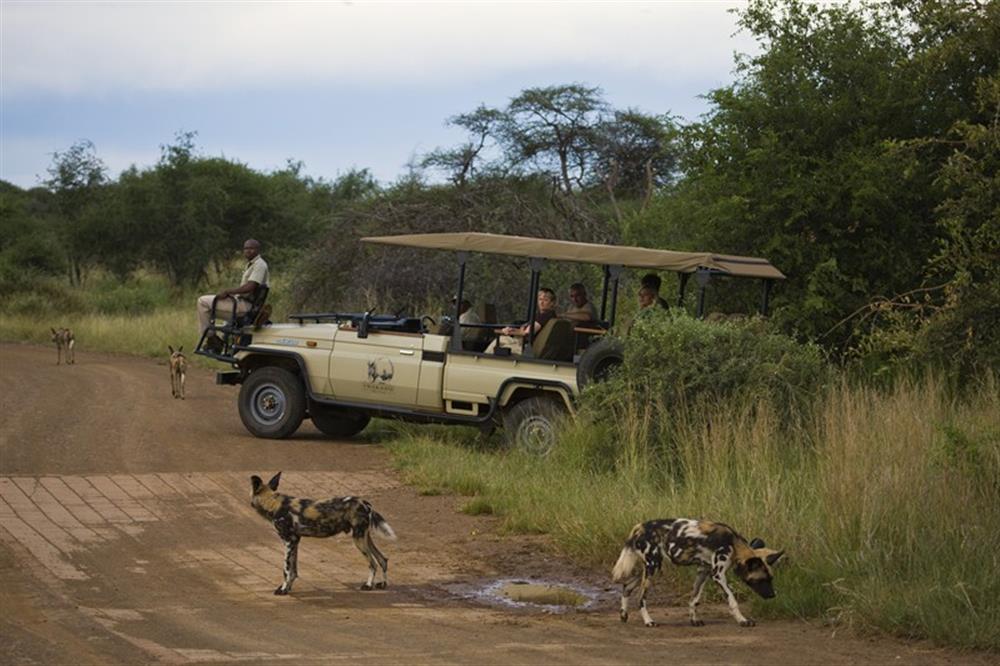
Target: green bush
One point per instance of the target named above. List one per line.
(674, 359)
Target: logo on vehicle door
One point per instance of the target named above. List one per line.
(380, 371)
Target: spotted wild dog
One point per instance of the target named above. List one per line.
(178, 371)
(64, 340)
(294, 518)
(713, 547)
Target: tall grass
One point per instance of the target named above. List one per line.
(888, 502)
(138, 316)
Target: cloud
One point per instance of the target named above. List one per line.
(89, 47)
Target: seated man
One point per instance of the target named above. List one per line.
(582, 309)
(470, 334)
(653, 281)
(513, 337)
(255, 275)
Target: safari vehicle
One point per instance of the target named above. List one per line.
(341, 369)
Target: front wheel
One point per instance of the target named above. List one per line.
(532, 424)
(272, 403)
(337, 422)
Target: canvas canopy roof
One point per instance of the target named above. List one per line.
(590, 253)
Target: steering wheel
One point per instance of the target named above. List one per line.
(423, 323)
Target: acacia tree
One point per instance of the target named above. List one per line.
(76, 178)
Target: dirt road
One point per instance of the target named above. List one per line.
(127, 537)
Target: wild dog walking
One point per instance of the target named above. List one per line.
(178, 371)
(294, 518)
(64, 340)
(713, 547)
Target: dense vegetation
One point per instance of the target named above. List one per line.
(858, 150)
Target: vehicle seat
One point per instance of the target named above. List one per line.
(555, 341)
(488, 315)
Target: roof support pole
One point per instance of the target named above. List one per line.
(702, 276)
(766, 297)
(615, 273)
(456, 328)
(683, 286)
(604, 293)
(536, 265)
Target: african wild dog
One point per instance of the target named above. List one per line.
(294, 518)
(713, 547)
(178, 371)
(64, 340)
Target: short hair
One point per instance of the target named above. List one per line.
(548, 291)
(578, 286)
(652, 280)
(647, 289)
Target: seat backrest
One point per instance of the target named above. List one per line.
(256, 303)
(555, 341)
(487, 315)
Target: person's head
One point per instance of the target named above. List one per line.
(653, 281)
(546, 299)
(578, 295)
(647, 296)
(251, 248)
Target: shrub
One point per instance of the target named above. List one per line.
(673, 359)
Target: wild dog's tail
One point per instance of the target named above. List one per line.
(629, 559)
(381, 526)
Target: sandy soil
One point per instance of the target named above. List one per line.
(127, 538)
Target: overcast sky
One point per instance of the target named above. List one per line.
(336, 85)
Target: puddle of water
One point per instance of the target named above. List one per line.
(540, 595)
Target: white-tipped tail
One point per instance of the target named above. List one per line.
(626, 564)
(385, 530)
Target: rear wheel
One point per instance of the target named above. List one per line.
(600, 359)
(272, 403)
(532, 424)
(338, 422)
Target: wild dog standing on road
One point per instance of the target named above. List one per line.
(64, 340)
(294, 518)
(178, 371)
(713, 547)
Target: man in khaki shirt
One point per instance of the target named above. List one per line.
(255, 275)
(582, 309)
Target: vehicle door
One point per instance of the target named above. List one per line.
(381, 368)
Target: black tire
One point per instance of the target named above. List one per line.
(532, 425)
(272, 403)
(598, 361)
(338, 423)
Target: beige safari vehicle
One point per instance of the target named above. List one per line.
(342, 369)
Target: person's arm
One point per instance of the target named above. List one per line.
(248, 288)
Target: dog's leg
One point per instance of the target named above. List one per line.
(71, 353)
(382, 560)
(719, 576)
(291, 564)
(361, 542)
(699, 586)
(628, 587)
(646, 584)
(183, 380)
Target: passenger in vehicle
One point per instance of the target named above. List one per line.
(647, 301)
(467, 315)
(653, 281)
(255, 275)
(581, 310)
(513, 337)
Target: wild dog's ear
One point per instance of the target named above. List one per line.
(180, 349)
(273, 483)
(53, 330)
(756, 543)
(172, 351)
(256, 483)
(768, 555)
